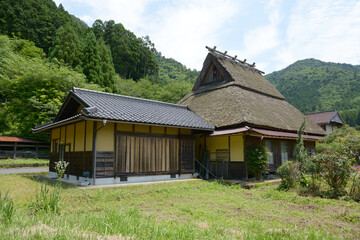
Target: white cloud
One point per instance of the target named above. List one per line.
(327, 30)
(182, 30)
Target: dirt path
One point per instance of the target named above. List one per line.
(24, 170)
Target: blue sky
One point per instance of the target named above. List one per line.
(273, 33)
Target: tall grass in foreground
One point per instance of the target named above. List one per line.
(7, 209)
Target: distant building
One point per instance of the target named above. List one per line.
(14, 147)
(329, 120)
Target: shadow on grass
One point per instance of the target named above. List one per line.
(49, 181)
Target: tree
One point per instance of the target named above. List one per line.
(300, 151)
(66, 47)
(91, 59)
(107, 65)
(257, 160)
(35, 90)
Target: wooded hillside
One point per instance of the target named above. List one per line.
(45, 51)
(312, 86)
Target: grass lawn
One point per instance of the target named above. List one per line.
(7, 163)
(183, 210)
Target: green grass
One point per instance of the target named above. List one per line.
(183, 210)
(9, 161)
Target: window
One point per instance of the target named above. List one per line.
(284, 152)
(269, 147)
(61, 152)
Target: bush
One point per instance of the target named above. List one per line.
(47, 201)
(289, 174)
(335, 168)
(257, 157)
(7, 209)
(354, 192)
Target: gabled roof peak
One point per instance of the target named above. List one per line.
(234, 59)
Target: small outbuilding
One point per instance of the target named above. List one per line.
(15, 147)
(328, 120)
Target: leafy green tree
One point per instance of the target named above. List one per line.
(34, 90)
(66, 47)
(91, 59)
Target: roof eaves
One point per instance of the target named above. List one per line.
(47, 126)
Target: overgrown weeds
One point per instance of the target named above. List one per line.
(7, 208)
(47, 201)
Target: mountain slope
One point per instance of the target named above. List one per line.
(312, 86)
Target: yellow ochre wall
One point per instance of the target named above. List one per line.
(79, 136)
(105, 137)
(222, 142)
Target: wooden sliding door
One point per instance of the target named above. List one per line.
(147, 153)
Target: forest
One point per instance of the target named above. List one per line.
(45, 52)
(313, 86)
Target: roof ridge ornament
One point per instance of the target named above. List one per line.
(233, 59)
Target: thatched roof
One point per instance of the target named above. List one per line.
(326, 117)
(243, 97)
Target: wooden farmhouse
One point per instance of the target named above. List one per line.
(109, 138)
(245, 110)
(329, 120)
(122, 139)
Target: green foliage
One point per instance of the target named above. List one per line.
(354, 191)
(66, 47)
(132, 56)
(144, 88)
(91, 59)
(312, 86)
(34, 20)
(344, 138)
(34, 90)
(335, 168)
(7, 209)
(300, 151)
(46, 201)
(171, 70)
(257, 160)
(289, 174)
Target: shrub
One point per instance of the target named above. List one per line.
(47, 201)
(335, 168)
(7, 209)
(257, 157)
(354, 192)
(289, 174)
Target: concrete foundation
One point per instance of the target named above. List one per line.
(108, 181)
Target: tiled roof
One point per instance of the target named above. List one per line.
(321, 117)
(17, 139)
(130, 109)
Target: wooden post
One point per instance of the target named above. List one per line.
(94, 151)
(14, 154)
(36, 150)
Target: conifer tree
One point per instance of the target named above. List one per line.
(67, 47)
(91, 59)
(107, 65)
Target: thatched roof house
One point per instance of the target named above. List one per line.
(245, 109)
(241, 96)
